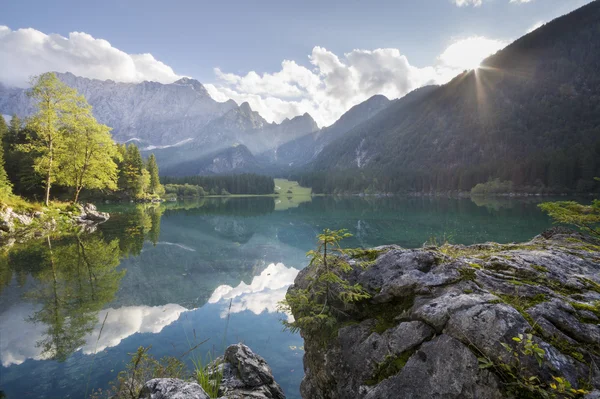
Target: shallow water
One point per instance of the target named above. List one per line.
(72, 308)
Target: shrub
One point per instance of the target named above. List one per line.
(318, 307)
(492, 187)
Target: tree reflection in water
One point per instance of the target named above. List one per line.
(74, 277)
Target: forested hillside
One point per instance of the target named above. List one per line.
(530, 114)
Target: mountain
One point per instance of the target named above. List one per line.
(149, 112)
(159, 116)
(304, 149)
(530, 114)
(180, 122)
(243, 125)
(240, 128)
(231, 160)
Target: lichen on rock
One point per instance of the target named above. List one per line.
(439, 321)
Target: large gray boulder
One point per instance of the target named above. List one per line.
(437, 314)
(172, 388)
(9, 219)
(247, 375)
(89, 213)
(244, 375)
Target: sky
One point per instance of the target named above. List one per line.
(284, 57)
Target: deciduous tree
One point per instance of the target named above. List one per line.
(91, 157)
(57, 104)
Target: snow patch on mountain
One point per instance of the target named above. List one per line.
(160, 147)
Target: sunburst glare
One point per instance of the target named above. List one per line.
(468, 53)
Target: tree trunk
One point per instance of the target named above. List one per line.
(47, 201)
(77, 191)
(49, 174)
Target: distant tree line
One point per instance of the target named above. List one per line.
(558, 171)
(249, 183)
(63, 147)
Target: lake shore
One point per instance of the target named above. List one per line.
(22, 225)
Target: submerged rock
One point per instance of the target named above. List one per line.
(439, 320)
(245, 375)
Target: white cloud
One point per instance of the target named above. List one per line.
(335, 84)
(326, 87)
(20, 336)
(28, 52)
(462, 3)
(468, 53)
(263, 294)
(128, 320)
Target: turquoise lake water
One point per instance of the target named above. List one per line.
(72, 308)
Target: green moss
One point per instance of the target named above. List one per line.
(583, 245)
(593, 308)
(498, 266)
(369, 255)
(521, 304)
(388, 313)
(540, 268)
(467, 273)
(590, 284)
(367, 264)
(560, 288)
(476, 266)
(390, 366)
(575, 351)
(468, 291)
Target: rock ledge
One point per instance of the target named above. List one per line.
(436, 313)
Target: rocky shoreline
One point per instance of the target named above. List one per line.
(22, 226)
(245, 375)
(481, 321)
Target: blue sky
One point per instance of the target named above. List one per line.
(238, 37)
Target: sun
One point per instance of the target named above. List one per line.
(470, 52)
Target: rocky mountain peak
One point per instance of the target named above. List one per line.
(245, 108)
(193, 83)
(304, 123)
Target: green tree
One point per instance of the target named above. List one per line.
(134, 179)
(317, 307)
(92, 154)
(152, 167)
(584, 217)
(57, 106)
(19, 165)
(5, 185)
